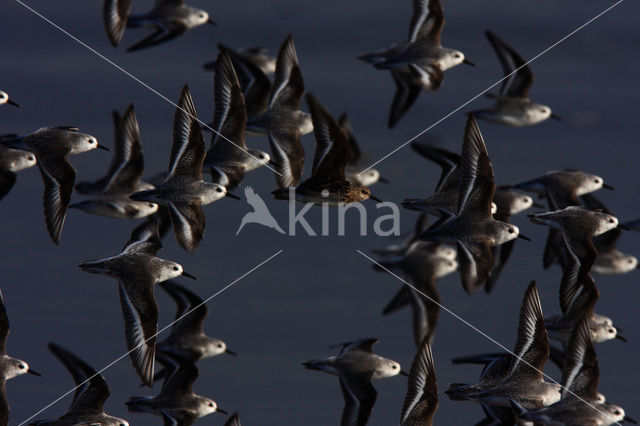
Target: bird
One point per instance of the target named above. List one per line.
(513, 106)
(91, 393)
(578, 226)
(444, 202)
(228, 158)
(169, 18)
(421, 401)
(12, 161)
(187, 337)
(327, 183)
(562, 188)
(354, 171)
(420, 266)
(580, 403)
(9, 367)
(601, 327)
(524, 380)
(610, 260)
(124, 177)
(137, 270)
(52, 147)
(421, 61)
(260, 214)
(5, 99)
(356, 365)
(283, 121)
(176, 403)
(183, 191)
(472, 229)
(508, 202)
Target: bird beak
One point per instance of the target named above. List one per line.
(629, 419)
(35, 373)
(234, 196)
(218, 410)
(538, 205)
(10, 102)
(102, 147)
(188, 275)
(556, 117)
(376, 199)
(468, 62)
(212, 22)
(384, 180)
(624, 227)
(621, 337)
(230, 352)
(524, 237)
(404, 373)
(609, 187)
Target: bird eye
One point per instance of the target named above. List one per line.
(218, 190)
(394, 366)
(219, 345)
(617, 412)
(450, 263)
(21, 367)
(211, 404)
(31, 158)
(611, 330)
(511, 231)
(596, 180)
(610, 220)
(92, 141)
(630, 260)
(457, 55)
(175, 268)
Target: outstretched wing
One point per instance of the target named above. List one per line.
(187, 151)
(517, 83)
(427, 22)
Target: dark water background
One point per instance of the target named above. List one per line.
(319, 291)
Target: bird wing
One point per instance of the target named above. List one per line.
(476, 263)
(4, 326)
(288, 156)
(405, 95)
(427, 22)
(140, 313)
(92, 389)
(230, 115)
(477, 184)
(255, 85)
(188, 303)
(58, 175)
(581, 372)
(181, 374)
(517, 83)
(115, 14)
(189, 222)
(447, 160)
(288, 86)
(359, 398)
(421, 399)
(187, 150)
(532, 345)
(332, 149)
(7, 180)
(128, 155)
